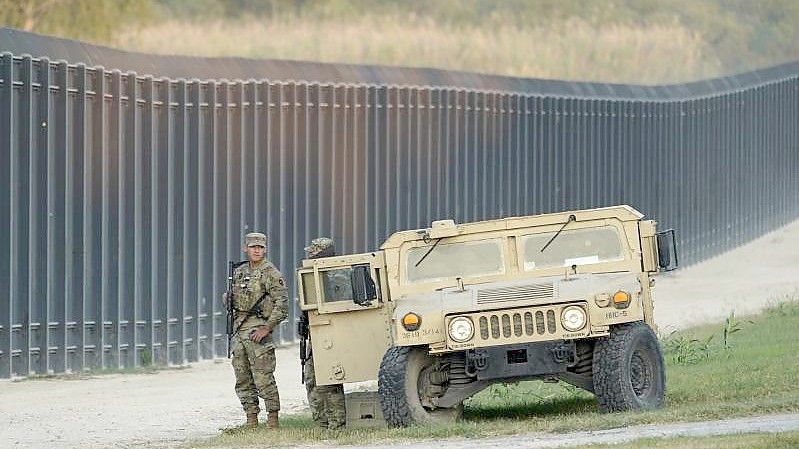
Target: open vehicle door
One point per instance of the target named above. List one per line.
(345, 298)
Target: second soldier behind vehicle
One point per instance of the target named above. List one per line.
(326, 401)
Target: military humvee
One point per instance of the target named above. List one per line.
(438, 314)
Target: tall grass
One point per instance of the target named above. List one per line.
(571, 49)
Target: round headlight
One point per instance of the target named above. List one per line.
(573, 318)
(461, 329)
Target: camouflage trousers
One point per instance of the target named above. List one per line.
(254, 366)
(326, 401)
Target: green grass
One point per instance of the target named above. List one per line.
(788, 440)
(752, 373)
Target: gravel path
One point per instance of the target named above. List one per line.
(123, 410)
(754, 424)
(173, 405)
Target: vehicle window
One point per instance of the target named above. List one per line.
(337, 284)
(451, 260)
(572, 247)
(309, 288)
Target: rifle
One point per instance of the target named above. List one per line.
(304, 332)
(231, 315)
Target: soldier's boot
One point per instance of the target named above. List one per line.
(252, 419)
(271, 420)
(336, 424)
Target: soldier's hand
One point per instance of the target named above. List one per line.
(260, 333)
(225, 299)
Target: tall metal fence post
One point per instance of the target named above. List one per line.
(123, 195)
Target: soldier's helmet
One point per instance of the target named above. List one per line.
(255, 239)
(320, 247)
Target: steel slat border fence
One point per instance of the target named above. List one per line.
(122, 196)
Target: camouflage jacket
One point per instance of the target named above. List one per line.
(249, 284)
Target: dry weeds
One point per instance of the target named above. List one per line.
(572, 49)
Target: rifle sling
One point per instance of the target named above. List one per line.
(251, 312)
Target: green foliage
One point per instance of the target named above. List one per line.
(683, 350)
(739, 35)
(731, 326)
(759, 366)
(783, 309)
(500, 391)
(145, 357)
(94, 20)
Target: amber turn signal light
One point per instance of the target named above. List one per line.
(411, 321)
(621, 299)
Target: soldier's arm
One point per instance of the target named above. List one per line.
(279, 293)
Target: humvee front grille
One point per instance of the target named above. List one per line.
(518, 325)
(517, 293)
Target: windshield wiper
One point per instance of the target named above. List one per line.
(428, 252)
(571, 219)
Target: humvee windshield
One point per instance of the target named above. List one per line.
(450, 260)
(572, 247)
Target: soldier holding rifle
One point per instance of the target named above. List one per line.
(257, 301)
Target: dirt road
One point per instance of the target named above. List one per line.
(755, 424)
(743, 280)
(171, 406)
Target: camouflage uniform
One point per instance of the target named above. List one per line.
(326, 401)
(254, 363)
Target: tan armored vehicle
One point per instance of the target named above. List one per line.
(438, 314)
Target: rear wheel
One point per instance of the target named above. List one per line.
(628, 369)
(407, 381)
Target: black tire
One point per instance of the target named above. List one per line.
(398, 388)
(628, 369)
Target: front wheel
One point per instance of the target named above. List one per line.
(404, 385)
(628, 369)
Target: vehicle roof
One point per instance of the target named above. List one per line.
(621, 212)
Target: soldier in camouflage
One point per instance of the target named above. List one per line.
(260, 303)
(326, 401)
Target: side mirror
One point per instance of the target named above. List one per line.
(363, 287)
(667, 250)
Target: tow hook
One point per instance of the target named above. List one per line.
(476, 360)
(564, 353)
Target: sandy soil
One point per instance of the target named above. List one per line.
(171, 406)
(742, 281)
(125, 410)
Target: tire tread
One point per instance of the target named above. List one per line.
(391, 387)
(608, 368)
